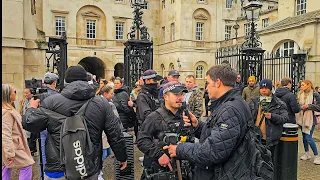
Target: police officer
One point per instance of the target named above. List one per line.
(147, 100)
(159, 121)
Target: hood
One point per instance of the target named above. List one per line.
(78, 90)
(281, 92)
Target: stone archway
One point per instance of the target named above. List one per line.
(119, 70)
(93, 65)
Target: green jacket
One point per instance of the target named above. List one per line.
(249, 93)
(196, 102)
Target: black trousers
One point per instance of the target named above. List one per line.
(32, 142)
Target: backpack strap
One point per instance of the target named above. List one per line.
(83, 108)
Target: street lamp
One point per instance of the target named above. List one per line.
(252, 53)
(252, 13)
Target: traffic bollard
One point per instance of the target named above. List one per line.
(286, 154)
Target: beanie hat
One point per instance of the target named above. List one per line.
(252, 78)
(76, 73)
(265, 83)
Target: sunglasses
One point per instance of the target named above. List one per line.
(15, 91)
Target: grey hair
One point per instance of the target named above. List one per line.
(6, 93)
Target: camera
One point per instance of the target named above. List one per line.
(35, 85)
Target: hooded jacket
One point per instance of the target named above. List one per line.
(291, 101)
(99, 117)
(120, 100)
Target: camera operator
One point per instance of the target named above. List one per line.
(149, 139)
(50, 81)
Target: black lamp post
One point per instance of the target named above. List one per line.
(252, 53)
(138, 53)
(179, 63)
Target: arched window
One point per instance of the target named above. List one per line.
(171, 66)
(287, 48)
(199, 72)
(162, 69)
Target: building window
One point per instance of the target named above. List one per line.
(91, 29)
(270, 7)
(171, 66)
(172, 32)
(227, 32)
(247, 29)
(60, 25)
(172, 1)
(199, 31)
(163, 4)
(145, 6)
(199, 72)
(265, 22)
(119, 0)
(301, 6)
(119, 30)
(287, 49)
(201, 1)
(163, 34)
(228, 3)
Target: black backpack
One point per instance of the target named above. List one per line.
(76, 148)
(250, 159)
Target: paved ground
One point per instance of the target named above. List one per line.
(306, 169)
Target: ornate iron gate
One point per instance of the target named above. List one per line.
(138, 53)
(57, 55)
(267, 66)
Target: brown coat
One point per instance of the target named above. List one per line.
(14, 141)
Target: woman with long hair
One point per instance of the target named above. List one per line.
(15, 150)
(310, 103)
(102, 82)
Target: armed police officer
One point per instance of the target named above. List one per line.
(223, 129)
(150, 140)
(147, 100)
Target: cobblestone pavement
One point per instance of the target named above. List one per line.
(306, 169)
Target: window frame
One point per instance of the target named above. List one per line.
(163, 4)
(59, 32)
(265, 22)
(199, 34)
(95, 28)
(118, 30)
(199, 68)
(299, 4)
(287, 48)
(163, 34)
(228, 31)
(173, 28)
(247, 29)
(228, 4)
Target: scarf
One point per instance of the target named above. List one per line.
(263, 124)
(305, 117)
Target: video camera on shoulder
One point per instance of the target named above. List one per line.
(35, 85)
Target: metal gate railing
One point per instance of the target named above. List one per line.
(273, 67)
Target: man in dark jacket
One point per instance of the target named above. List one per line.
(239, 85)
(150, 138)
(289, 98)
(147, 100)
(123, 104)
(223, 129)
(270, 113)
(99, 117)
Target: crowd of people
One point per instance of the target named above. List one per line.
(154, 105)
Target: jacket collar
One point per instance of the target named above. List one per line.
(229, 95)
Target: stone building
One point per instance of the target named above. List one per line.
(190, 31)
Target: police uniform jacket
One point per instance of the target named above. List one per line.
(148, 140)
